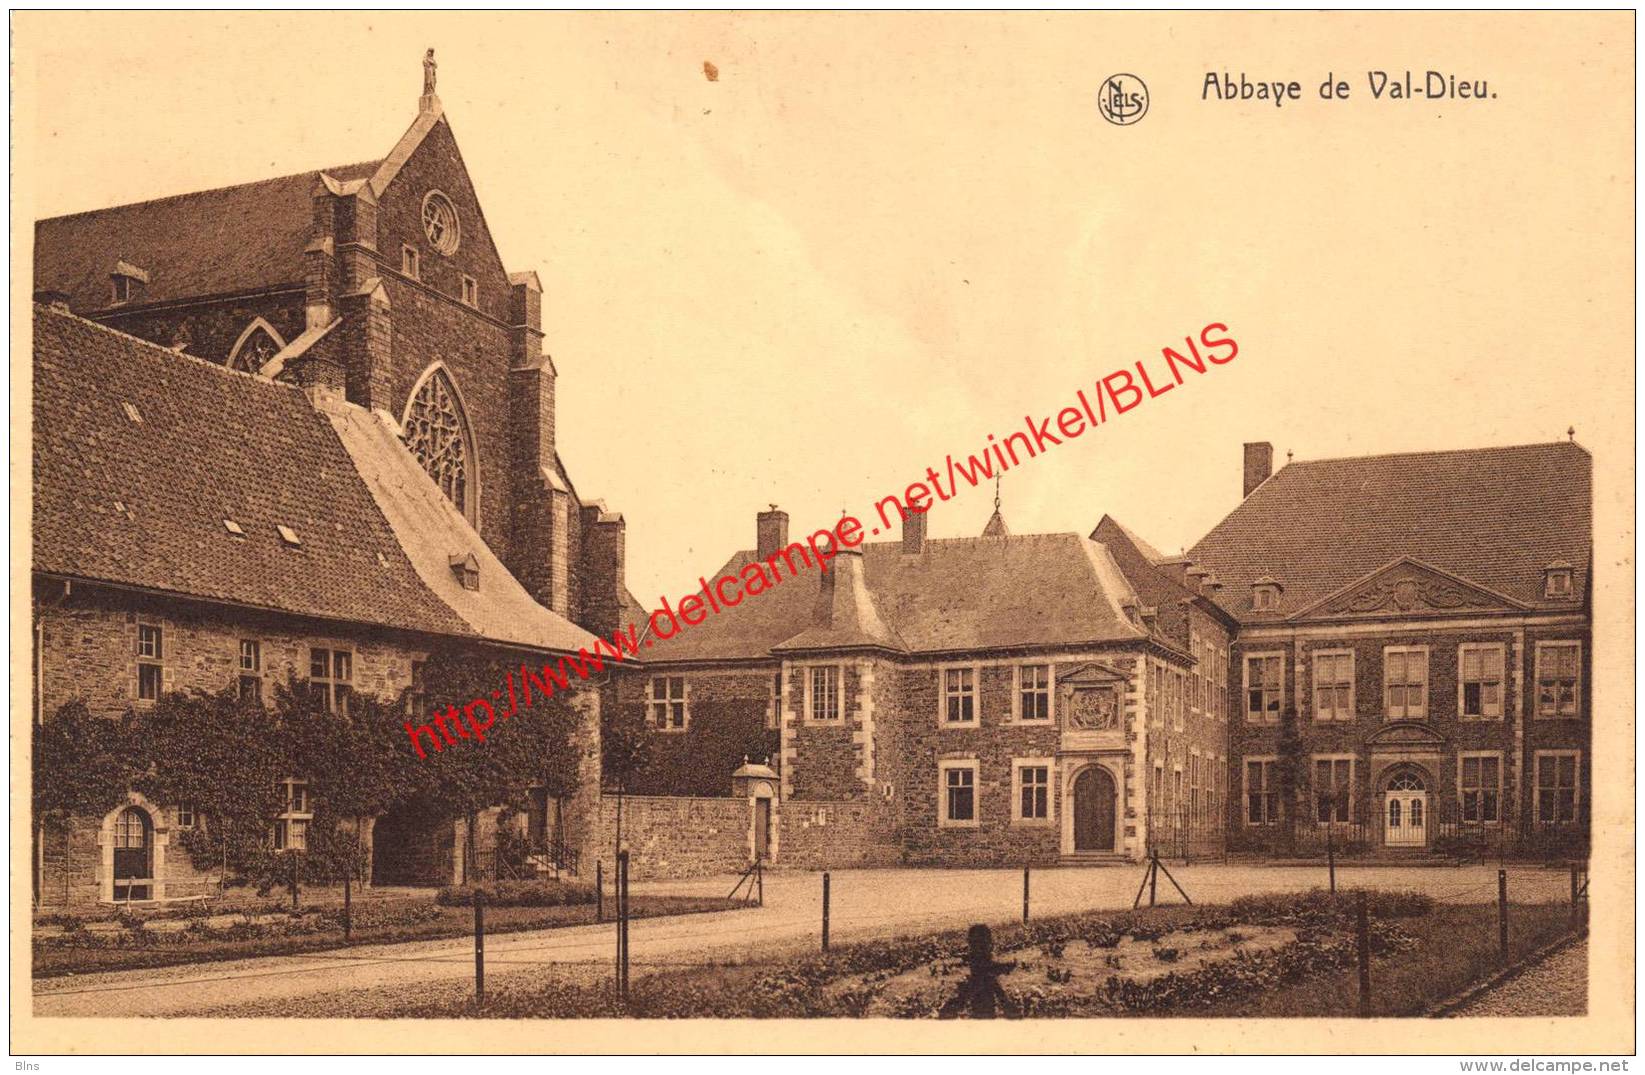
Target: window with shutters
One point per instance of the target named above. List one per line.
(1334, 685)
(1264, 687)
(1479, 681)
(1558, 678)
(1405, 682)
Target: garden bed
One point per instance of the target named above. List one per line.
(267, 930)
(1291, 955)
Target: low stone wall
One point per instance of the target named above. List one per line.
(833, 834)
(670, 837)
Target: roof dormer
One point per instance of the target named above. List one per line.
(466, 568)
(1265, 593)
(128, 281)
(1556, 581)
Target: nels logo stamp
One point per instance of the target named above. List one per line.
(1123, 99)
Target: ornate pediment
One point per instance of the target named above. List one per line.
(1405, 733)
(1408, 588)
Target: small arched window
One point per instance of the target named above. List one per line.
(256, 345)
(437, 432)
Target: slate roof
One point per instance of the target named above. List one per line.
(210, 242)
(957, 595)
(143, 503)
(1492, 516)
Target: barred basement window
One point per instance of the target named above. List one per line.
(437, 432)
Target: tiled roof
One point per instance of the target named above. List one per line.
(958, 594)
(142, 501)
(210, 242)
(1492, 516)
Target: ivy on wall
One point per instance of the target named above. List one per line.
(226, 757)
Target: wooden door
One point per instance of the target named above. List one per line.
(131, 855)
(1094, 810)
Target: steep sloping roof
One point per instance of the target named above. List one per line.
(1492, 516)
(142, 501)
(845, 615)
(431, 531)
(210, 242)
(958, 594)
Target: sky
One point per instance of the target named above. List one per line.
(872, 240)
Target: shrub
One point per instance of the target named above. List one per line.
(545, 893)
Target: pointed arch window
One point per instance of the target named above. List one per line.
(436, 431)
(256, 345)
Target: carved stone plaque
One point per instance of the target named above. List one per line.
(1094, 708)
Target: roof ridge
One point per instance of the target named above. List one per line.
(1431, 452)
(169, 352)
(209, 190)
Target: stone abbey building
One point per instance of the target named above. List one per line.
(1392, 652)
(303, 426)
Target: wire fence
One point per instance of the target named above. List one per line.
(779, 942)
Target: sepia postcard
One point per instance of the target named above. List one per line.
(847, 532)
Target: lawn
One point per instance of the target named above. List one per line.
(1274, 956)
(375, 921)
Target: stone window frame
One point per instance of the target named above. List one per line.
(668, 701)
(1462, 788)
(336, 687)
(1353, 776)
(1353, 691)
(1179, 697)
(973, 667)
(187, 816)
(810, 693)
(442, 245)
(1245, 694)
(250, 675)
(944, 766)
(1194, 799)
(1270, 789)
(411, 262)
(1050, 693)
(470, 508)
(1558, 582)
(1576, 786)
(1536, 679)
(286, 821)
(247, 338)
(1408, 712)
(470, 291)
(1501, 651)
(1017, 785)
(154, 660)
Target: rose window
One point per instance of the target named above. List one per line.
(440, 222)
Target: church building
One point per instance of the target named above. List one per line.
(303, 426)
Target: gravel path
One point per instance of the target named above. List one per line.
(864, 904)
(1556, 986)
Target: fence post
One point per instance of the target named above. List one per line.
(1502, 912)
(825, 912)
(599, 891)
(294, 880)
(1331, 859)
(1574, 914)
(1153, 875)
(479, 946)
(759, 880)
(348, 904)
(1025, 893)
(1362, 932)
(621, 886)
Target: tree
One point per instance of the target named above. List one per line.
(82, 765)
(625, 751)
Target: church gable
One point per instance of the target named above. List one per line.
(429, 205)
(1408, 588)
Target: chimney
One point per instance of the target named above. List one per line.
(913, 532)
(772, 533)
(1259, 463)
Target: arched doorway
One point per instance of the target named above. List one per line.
(133, 855)
(1405, 810)
(1094, 800)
